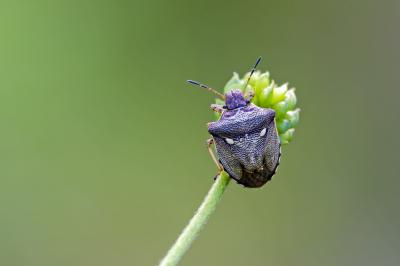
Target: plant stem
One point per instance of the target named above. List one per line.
(197, 222)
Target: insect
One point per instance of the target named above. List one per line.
(245, 137)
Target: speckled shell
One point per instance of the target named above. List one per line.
(253, 157)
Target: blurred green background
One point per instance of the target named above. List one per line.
(103, 157)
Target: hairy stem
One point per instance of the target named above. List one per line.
(197, 222)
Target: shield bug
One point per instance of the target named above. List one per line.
(245, 137)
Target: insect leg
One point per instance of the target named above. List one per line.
(217, 108)
(209, 143)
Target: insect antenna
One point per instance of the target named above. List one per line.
(220, 95)
(252, 72)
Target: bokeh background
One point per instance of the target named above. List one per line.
(102, 143)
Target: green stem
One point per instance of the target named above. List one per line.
(197, 223)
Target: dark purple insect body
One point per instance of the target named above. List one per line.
(245, 137)
(246, 140)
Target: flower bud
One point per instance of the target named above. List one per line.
(283, 125)
(280, 109)
(278, 94)
(290, 98)
(287, 136)
(293, 117)
(254, 78)
(265, 96)
(263, 82)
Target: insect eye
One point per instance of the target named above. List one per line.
(262, 133)
(229, 141)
